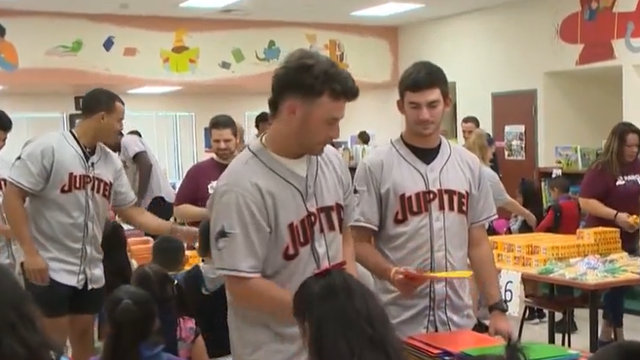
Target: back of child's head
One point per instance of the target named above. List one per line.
(560, 184)
(620, 350)
(204, 239)
(156, 281)
(169, 252)
(531, 199)
(132, 319)
(115, 259)
(341, 319)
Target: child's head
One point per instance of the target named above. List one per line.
(204, 239)
(559, 186)
(341, 319)
(131, 320)
(156, 281)
(170, 253)
(114, 239)
(23, 337)
(116, 262)
(620, 350)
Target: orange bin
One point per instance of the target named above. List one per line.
(140, 249)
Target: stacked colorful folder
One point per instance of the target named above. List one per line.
(467, 344)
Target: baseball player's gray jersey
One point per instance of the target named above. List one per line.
(68, 204)
(421, 217)
(266, 219)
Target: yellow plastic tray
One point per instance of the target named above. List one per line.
(451, 274)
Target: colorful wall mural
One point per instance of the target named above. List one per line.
(162, 51)
(595, 25)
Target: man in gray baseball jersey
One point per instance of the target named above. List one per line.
(280, 210)
(71, 180)
(425, 204)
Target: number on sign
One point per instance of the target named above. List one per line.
(507, 291)
(511, 288)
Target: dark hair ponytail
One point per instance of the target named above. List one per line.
(131, 315)
(343, 320)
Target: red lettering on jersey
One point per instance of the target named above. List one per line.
(416, 204)
(325, 219)
(83, 182)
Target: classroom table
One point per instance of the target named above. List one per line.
(593, 289)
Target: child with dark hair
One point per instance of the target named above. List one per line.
(621, 350)
(132, 323)
(116, 263)
(170, 253)
(207, 299)
(23, 337)
(341, 319)
(180, 333)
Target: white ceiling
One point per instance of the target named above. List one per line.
(318, 11)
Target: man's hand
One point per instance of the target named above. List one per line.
(188, 234)
(35, 269)
(406, 280)
(499, 325)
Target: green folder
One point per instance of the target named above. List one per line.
(533, 351)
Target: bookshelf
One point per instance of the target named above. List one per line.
(544, 174)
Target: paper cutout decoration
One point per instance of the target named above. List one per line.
(108, 43)
(270, 53)
(238, 55)
(130, 51)
(9, 61)
(224, 65)
(180, 58)
(70, 50)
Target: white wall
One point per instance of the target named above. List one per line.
(510, 48)
(375, 111)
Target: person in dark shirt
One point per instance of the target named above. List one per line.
(468, 125)
(563, 217)
(609, 195)
(200, 180)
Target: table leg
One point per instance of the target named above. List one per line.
(594, 301)
(551, 325)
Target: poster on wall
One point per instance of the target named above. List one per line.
(514, 143)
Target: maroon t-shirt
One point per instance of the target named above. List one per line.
(194, 189)
(620, 193)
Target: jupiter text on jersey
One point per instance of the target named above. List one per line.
(84, 182)
(325, 219)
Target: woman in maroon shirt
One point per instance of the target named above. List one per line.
(610, 195)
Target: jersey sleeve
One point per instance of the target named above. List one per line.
(122, 196)
(31, 170)
(239, 233)
(368, 205)
(482, 209)
(131, 145)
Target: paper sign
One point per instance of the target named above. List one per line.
(512, 291)
(556, 173)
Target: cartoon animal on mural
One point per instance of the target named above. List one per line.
(180, 58)
(271, 53)
(9, 60)
(66, 50)
(595, 26)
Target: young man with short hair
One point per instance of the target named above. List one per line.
(425, 204)
(200, 180)
(281, 209)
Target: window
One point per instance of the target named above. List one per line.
(27, 126)
(171, 137)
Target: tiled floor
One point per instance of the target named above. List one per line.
(580, 340)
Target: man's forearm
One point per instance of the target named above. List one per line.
(13, 204)
(349, 252)
(484, 270)
(143, 220)
(368, 256)
(190, 213)
(262, 296)
(144, 178)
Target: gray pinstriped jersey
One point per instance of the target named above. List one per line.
(421, 216)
